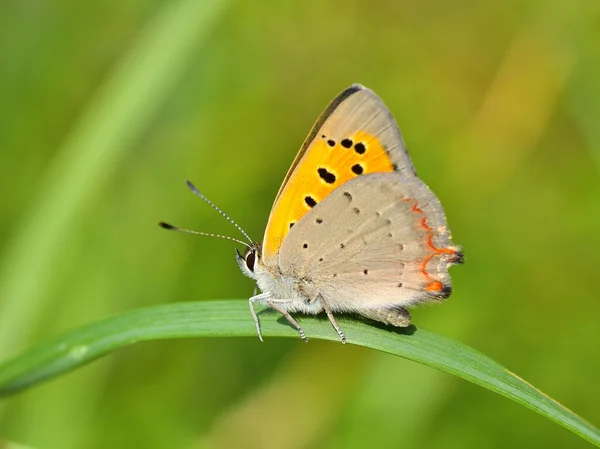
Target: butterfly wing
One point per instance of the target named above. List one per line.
(378, 241)
(356, 134)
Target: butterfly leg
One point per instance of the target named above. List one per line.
(332, 319)
(251, 301)
(272, 303)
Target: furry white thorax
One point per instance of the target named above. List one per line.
(286, 291)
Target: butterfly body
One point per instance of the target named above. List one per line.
(375, 256)
(353, 229)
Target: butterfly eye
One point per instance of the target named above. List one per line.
(250, 259)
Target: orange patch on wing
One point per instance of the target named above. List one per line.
(327, 164)
(416, 209)
(436, 249)
(434, 286)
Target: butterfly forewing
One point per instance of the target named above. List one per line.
(356, 135)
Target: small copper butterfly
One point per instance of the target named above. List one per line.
(352, 229)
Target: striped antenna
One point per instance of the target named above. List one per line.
(211, 204)
(162, 224)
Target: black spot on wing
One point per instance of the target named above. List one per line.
(326, 175)
(310, 201)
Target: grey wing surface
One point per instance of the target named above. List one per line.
(379, 240)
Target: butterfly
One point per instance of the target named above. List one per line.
(352, 229)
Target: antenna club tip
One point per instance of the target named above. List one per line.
(191, 186)
(162, 224)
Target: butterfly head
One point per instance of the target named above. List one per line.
(249, 261)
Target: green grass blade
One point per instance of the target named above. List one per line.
(232, 319)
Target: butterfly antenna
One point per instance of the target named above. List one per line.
(162, 224)
(211, 204)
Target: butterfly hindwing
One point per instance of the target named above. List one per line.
(378, 241)
(355, 135)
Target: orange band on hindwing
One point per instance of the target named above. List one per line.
(433, 285)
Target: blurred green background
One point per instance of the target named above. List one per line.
(107, 108)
